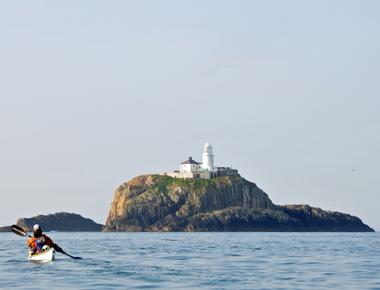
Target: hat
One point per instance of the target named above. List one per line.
(36, 227)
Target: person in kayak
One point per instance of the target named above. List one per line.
(39, 240)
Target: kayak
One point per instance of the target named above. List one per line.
(47, 255)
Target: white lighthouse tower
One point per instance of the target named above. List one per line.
(208, 158)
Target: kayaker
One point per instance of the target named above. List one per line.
(39, 240)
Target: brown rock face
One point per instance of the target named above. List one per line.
(229, 203)
(146, 202)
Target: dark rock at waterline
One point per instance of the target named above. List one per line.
(228, 203)
(5, 229)
(282, 218)
(62, 221)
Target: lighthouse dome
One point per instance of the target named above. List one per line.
(207, 148)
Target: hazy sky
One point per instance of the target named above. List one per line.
(93, 93)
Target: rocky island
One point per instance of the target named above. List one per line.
(224, 203)
(5, 229)
(61, 221)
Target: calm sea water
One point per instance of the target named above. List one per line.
(198, 261)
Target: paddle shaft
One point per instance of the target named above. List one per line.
(60, 250)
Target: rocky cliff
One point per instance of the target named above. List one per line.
(61, 221)
(229, 203)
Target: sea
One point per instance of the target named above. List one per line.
(227, 260)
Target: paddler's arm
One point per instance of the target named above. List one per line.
(49, 242)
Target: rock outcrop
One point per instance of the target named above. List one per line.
(228, 203)
(62, 221)
(5, 229)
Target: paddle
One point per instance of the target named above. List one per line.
(60, 250)
(21, 232)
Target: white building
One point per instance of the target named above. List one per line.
(189, 165)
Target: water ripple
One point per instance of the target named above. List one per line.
(198, 260)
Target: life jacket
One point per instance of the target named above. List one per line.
(36, 244)
(32, 244)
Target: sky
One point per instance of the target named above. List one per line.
(93, 93)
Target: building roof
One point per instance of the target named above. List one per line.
(190, 161)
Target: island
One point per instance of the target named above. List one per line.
(5, 229)
(203, 197)
(61, 221)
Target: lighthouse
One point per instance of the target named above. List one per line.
(206, 170)
(208, 158)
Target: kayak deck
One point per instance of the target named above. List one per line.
(44, 256)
